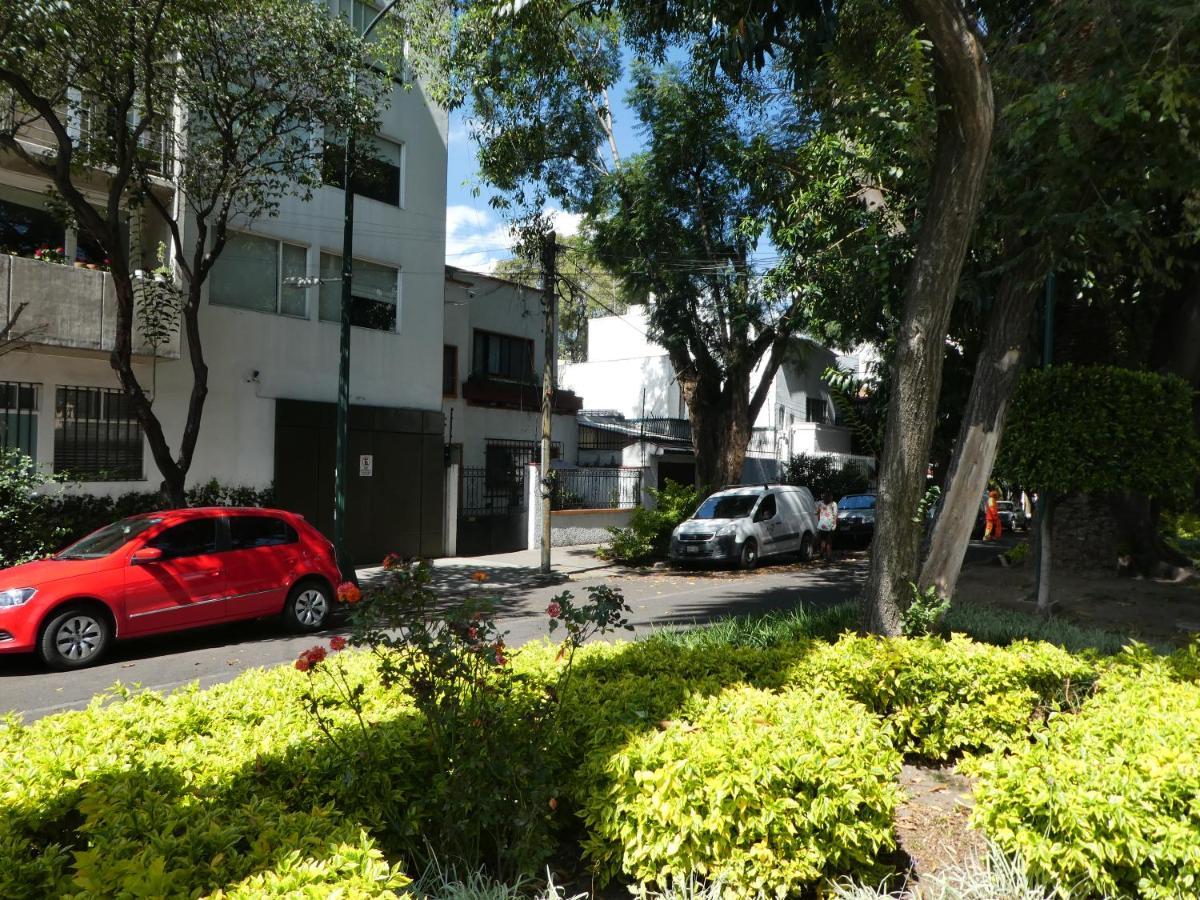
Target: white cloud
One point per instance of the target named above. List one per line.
(475, 238)
(565, 224)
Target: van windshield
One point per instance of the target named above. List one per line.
(730, 506)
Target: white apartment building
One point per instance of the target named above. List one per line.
(271, 348)
(636, 414)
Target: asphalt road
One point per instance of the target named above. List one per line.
(212, 655)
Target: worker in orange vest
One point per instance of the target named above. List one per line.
(995, 528)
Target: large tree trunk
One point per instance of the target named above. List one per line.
(1001, 360)
(964, 94)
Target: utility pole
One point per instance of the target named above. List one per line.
(549, 310)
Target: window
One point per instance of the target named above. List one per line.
(249, 532)
(374, 291)
(503, 356)
(108, 539)
(766, 509)
(18, 417)
(25, 225)
(252, 271)
(378, 171)
(195, 538)
(505, 461)
(96, 435)
(449, 371)
(816, 410)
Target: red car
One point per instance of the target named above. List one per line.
(163, 572)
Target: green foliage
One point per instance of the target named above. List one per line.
(1182, 531)
(767, 793)
(22, 502)
(1104, 802)
(1102, 430)
(649, 533)
(924, 612)
(996, 877)
(941, 696)
(773, 629)
(822, 475)
(1002, 627)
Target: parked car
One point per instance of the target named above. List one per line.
(1008, 515)
(856, 519)
(164, 572)
(746, 524)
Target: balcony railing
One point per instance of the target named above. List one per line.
(487, 391)
(65, 306)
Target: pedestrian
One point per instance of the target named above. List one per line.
(826, 525)
(995, 528)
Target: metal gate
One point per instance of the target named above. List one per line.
(492, 505)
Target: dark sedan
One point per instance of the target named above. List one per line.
(856, 519)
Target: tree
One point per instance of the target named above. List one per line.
(1080, 116)
(1121, 432)
(585, 289)
(255, 82)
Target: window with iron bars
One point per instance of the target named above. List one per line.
(18, 417)
(96, 435)
(503, 459)
(816, 410)
(602, 439)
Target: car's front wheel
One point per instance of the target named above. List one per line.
(806, 548)
(75, 636)
(308, 606)
(748, 558)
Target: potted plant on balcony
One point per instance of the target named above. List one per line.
(51, 255)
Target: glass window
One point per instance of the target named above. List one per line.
(108, 539)
(194, 538)
(18, 417)
(374, 291)
(730, 506)
(857, 501)
(378, 170)
(503, 356)
(97, 437)
(249, 532)
(251, 271)
(767, 509)
(25, 228)
(449, 371)
(816, 410)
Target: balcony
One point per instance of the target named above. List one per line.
(65, 307)
(483, 390)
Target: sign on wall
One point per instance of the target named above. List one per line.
(366, 465)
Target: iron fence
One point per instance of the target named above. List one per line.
(596, 489)
(480, 495)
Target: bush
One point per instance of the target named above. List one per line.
(822, 476)
(766, 793)
(1105, 802)
(198, 792)
(649, 533)
(22, 504)
(941, 696)
(1003, 627)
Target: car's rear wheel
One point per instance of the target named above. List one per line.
(806, 548)
(308, 606)
(74, 637)
(748, 558)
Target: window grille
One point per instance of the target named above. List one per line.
(18, 417)
(96, 435)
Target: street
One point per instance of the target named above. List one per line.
(659, 598)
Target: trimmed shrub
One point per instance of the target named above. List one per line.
(1105, 802)
(765, 793)
(649, 533)
(939, 696)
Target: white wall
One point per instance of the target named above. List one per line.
(476, 301)
(297, 358)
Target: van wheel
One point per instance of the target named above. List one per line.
(749, 555)
(77, 636)
(806, 548)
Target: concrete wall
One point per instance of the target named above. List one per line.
(477, 301)
(577, 527)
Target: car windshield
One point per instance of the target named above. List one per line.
(857, 501)
(730, 506)
(108, 539)
(1005, 505)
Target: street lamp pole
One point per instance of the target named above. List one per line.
(342, 426)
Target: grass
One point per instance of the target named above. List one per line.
(995, 878)
(765, 631)
(1001, 627)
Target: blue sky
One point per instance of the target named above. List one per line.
(476, 235)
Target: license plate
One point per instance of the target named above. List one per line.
(691, 549)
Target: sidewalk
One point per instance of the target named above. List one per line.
(506, 570)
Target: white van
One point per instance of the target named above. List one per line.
(744, 524)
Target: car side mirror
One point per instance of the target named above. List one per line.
(145, 555)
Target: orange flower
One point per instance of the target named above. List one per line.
(479, 576)
(392, 560)
(348, 592)
(337, 643)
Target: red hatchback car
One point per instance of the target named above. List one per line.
(167, 571)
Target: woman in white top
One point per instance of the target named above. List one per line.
(826, 525)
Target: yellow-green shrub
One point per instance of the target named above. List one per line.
(1105, 802)
(764, 792)
(941, 696)
(191, 793)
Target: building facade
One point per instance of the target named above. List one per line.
(272, 347)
